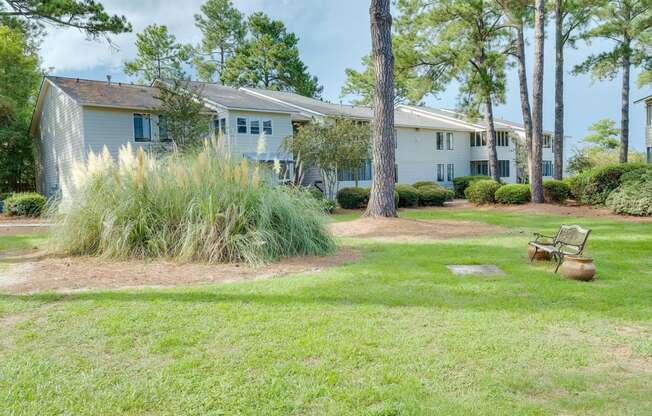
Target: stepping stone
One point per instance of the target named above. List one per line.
(478, 269)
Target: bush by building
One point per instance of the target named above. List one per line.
(515, 193)
(482, 191)
(25, 203)
(462, 182)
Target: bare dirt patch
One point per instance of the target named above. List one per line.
(569, 209)
(12, 225)
(39, 273)
(405, 229)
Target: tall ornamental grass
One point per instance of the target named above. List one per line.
(198, 207)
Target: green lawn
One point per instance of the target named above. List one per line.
(394, 334)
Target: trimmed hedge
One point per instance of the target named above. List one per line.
(482, 191)
(462, 182)
(352, 198)
(408, 196)
(595, 185)
(430, 196)
(25, 203)
(555, 191)
(634, 196)
(515, 193)
(420, 184)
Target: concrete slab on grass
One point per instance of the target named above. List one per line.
(476, 269)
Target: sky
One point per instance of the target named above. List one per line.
(334, 35)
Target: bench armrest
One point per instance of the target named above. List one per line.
(539, 237)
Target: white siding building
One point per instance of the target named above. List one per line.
(74, 116)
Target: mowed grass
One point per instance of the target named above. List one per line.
(393, 334)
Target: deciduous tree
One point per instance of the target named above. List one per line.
(269, 59)
(626, 25)
(159, 55)
(223, 30)
(331, 145)
(20, 75)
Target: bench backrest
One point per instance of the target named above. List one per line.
(572, 236)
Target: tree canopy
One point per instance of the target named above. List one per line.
(605, 134)
(269, 59)
(223, 30)
(86, 15)
(159, 55)
(20, 75)
(331, 145)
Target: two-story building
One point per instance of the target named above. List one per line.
(648, 125)
(75, 116)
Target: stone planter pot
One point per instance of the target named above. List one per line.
(578, 268)
(540, 256)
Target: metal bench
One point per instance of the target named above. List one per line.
(569, 240)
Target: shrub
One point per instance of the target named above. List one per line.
(408, 196)
(576, 185)
(515, 193)
(634, 196)
(600, 182)
(353, 198)
(555, 191)
(195, 207)
(482, 191)
(461, 183)
(433, 196)
(326, 204)
(25, 203)
(419, 184)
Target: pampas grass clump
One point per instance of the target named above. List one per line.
(194, 207)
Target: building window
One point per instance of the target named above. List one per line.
(395, 139)
(254, 127)
(649, 155)
(142, 128)
(547, 141)
(449, 141)
(440, 172)
(440, 141)
(395, 172)
(649, 114)
(479, 167)
(478, 139)
(163, 129)
(267, 127)
(242, 125)
(450, 172)
(363, 173)
(547, 168)
(223, 125)
(503, 168)
(502, 138)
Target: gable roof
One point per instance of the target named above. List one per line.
(311, 107)
(646, 99)
(101, 94)
(238, 99)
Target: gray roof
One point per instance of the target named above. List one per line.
(312, 106)
(100, 93)
(233, 98)
(648, 98)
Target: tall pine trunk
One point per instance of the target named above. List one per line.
(558, 143)
(624, 110)
(492, 154)
(381, 198)
(524, 94)
(536, 177)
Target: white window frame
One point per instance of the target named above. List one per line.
(438, 135)
(440, 172)
(271, 127)
(237, 125)
(547, 141)
(251, 127)
(450, 138)
(167, 132)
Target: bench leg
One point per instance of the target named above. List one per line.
(536, 250)
(560, 260)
